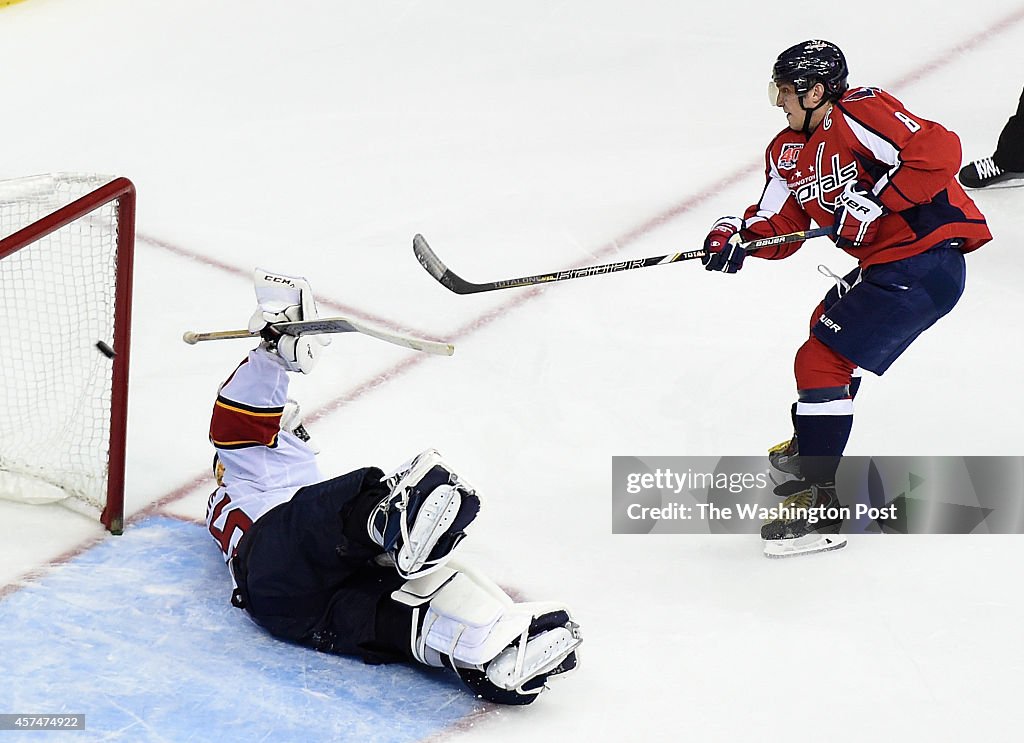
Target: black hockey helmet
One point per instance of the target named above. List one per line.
(811, 62)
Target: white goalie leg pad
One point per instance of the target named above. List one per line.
(533, 656)
(425, 515)
(410, 472)
(464, 619)
(456, 612)
(434, 518)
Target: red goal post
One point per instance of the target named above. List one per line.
(66, 250)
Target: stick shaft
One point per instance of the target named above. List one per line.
(191, 337)
(455, 283)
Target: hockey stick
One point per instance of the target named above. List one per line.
(453, 282)
(328, 325)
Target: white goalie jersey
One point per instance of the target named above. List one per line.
(259, 465)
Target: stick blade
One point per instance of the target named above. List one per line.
(327, 325)
(428, 258)
(441, 273)
(438, 348)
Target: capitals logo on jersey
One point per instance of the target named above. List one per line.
(789, 155)
(826, 182)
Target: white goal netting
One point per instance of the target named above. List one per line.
(58, 300)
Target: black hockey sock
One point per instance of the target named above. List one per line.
(822, 439)
(391, 634)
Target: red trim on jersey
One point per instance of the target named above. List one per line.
(234, 426)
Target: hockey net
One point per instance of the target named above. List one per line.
(66, 248)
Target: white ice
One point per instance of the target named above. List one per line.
(316, 138)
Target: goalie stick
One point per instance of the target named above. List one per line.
(453, 282)
(325, 325)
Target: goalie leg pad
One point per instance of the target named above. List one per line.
(546, 648)
(504, 651)
(425, 515)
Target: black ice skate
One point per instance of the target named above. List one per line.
(810, 520)
(984, 173)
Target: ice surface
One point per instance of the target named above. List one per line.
(318, 138)
(138, 634)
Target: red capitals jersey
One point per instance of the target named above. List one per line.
(868, 136)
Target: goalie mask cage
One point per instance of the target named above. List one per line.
(66, 248)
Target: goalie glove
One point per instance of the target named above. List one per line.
(283, 298)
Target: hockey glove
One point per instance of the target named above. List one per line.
(283, 298)
(856, 216)
(722, 251)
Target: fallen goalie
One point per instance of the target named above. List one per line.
(360, 564)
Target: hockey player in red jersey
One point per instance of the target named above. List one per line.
(360, 564)
(883, 178)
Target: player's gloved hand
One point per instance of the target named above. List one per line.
(283, 298)
(856, 216)
(291, 420)
(722, 251)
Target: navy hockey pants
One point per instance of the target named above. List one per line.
(305, 572)
(891, 305)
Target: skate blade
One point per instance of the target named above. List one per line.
(805, 545)
(1011, 183)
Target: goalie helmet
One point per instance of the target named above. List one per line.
(811, 62)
